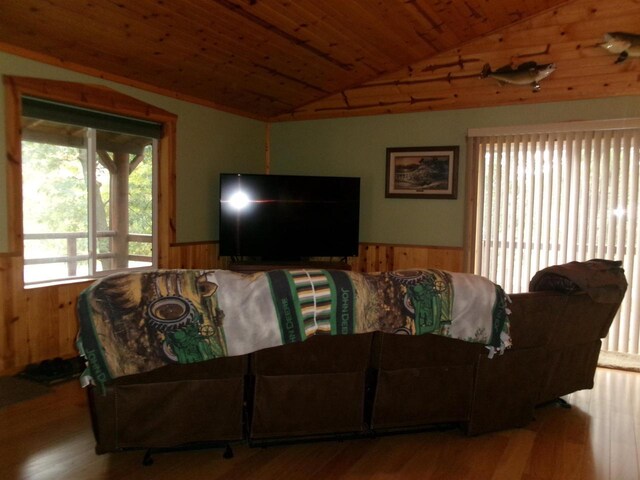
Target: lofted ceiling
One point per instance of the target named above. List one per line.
(287, 59)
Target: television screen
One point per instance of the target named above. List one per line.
(288, 217)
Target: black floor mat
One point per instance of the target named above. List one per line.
(53, 371)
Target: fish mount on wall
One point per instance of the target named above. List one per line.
(623, 44)
(528, 73)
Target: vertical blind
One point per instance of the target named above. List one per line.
(552, 197)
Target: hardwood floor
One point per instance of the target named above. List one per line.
(599, 438)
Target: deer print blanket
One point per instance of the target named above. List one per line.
(136, 322)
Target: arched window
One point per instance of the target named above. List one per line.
(86, 180)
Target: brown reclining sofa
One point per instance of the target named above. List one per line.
(366, 384)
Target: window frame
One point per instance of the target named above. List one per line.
(95, 98)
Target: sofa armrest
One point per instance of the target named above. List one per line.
(534, 316)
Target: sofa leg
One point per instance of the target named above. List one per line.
(228, 452)
(148, 459)
(562, 403)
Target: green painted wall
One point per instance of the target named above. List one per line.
(357, 147)
(209, 142)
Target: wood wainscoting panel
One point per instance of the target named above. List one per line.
(6, 313)
(380, 257)
(35, 323)
(372, 257)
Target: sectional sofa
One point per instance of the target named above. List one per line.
(373, 383)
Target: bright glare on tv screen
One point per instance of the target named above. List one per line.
(287, 217)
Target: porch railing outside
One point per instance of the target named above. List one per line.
(72, 258)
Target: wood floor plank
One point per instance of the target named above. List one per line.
(514, 458)
(50, 437)
(624, 459)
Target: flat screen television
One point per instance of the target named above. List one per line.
(288, 217)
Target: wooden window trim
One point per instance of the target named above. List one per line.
(97, 98)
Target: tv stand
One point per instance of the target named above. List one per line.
(253, 266)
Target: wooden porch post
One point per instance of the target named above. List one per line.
(120, 209)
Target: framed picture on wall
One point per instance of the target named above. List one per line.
(422, 172)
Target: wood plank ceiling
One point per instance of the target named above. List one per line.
(287, 59)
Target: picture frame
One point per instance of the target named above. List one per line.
(422, 172)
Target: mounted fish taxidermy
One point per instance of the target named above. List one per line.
(528, 73)
(624, 44)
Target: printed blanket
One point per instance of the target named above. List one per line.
(136, 322)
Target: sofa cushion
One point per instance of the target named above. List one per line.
(319, 354)
(308, 405)
(412, 397)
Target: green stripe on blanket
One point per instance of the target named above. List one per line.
(289, 317)
(89, 345)
(312, 302)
